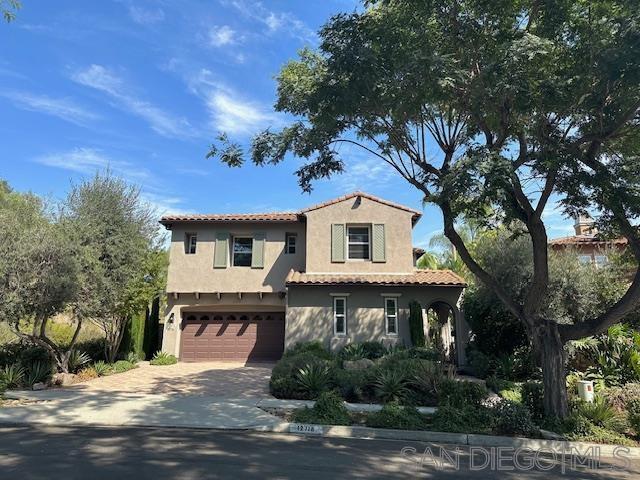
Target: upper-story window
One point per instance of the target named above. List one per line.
(358, 242)
(242, 251)
(190, 243)
(290, 243)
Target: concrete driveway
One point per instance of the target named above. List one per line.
(213, 379)
(202, 395)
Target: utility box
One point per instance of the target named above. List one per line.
(585, 390)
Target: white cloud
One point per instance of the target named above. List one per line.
(274, 21)
(363, 174)
(221, 36)
(163, 204)
(145, 16)
(229, 112)
(63, 108)
(102, 79)
(88, 161)
(556, 223)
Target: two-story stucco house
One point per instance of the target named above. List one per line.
(245, 287)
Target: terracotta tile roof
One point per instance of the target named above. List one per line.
(418, 277)
(586, 240)
(416, 214)
(234, 217)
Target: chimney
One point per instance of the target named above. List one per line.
(584, 225)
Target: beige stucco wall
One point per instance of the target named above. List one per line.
(310, 312)
(399, 252)
(195, 273)
(228, 302)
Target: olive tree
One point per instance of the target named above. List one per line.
(38, 272)
(116, 234)
(483, 106)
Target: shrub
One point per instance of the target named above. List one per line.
(3, 387)
(461, 394)
(533, 400)
(94, 348)
(133, 357)
(12, 376)
(122, 366)
(633, 415)
(161, 358)
(373, 350)
(355, 385)
(88, 373)
(393, 415)
(513, 394)
(283, 382)
(101, 368)
(38, 372)
(23, 353)
(513, 419)
(77, 360)
(391, 385)
(479, 363)
(329, 409)
(416, 325)
(579, 427)
(620, 397)
(313, 379)
(467, 419)
(315, 348)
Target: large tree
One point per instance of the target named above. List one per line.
(116, 235)
(484, 106)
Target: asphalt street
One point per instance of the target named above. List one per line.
(44, 452)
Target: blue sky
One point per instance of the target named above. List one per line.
(143, 86)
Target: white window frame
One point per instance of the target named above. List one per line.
(287, 245)
(191, 238)
(233, 249)
(387, 316)
(585, 259)
(368, 227)
(335, 317)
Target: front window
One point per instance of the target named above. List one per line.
(391, 315)
(585, 259)
(601, 260)
(190, 243)
(242, 251)
(340, 315)
(358, 242)
(290, 243)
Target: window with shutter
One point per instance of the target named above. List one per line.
(338, 241)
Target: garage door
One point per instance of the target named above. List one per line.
(232, 336)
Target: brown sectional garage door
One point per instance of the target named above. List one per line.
(232, 336)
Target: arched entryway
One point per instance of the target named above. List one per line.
(446, 329)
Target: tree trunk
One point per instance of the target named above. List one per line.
(550, 355)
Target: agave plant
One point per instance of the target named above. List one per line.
(132, 357)
(313, 379)
(101, 368)
(353, 351)
(601, 413)
(77, 360)
(38, 372)
(12, 376)
(429, 376)
(391, 386)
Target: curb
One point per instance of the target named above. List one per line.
(472, 440)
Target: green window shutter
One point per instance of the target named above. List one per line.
(221, 252)
(379, 243)
(257, 253)
(338, 242)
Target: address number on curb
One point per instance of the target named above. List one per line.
(305, 428)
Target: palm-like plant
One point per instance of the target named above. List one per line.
(12, 376)
(77, 360)
(391, 386)
(38, 372)
(313, 379)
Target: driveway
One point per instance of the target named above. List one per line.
(202, 395)
(213, 379)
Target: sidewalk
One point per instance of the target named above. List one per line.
(66, 407)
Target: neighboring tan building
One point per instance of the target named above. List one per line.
(589, 246)
(246, 286)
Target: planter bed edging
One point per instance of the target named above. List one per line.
(286, 405)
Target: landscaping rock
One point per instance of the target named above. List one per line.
(361, 364)
(64, 379)
(39, 386)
